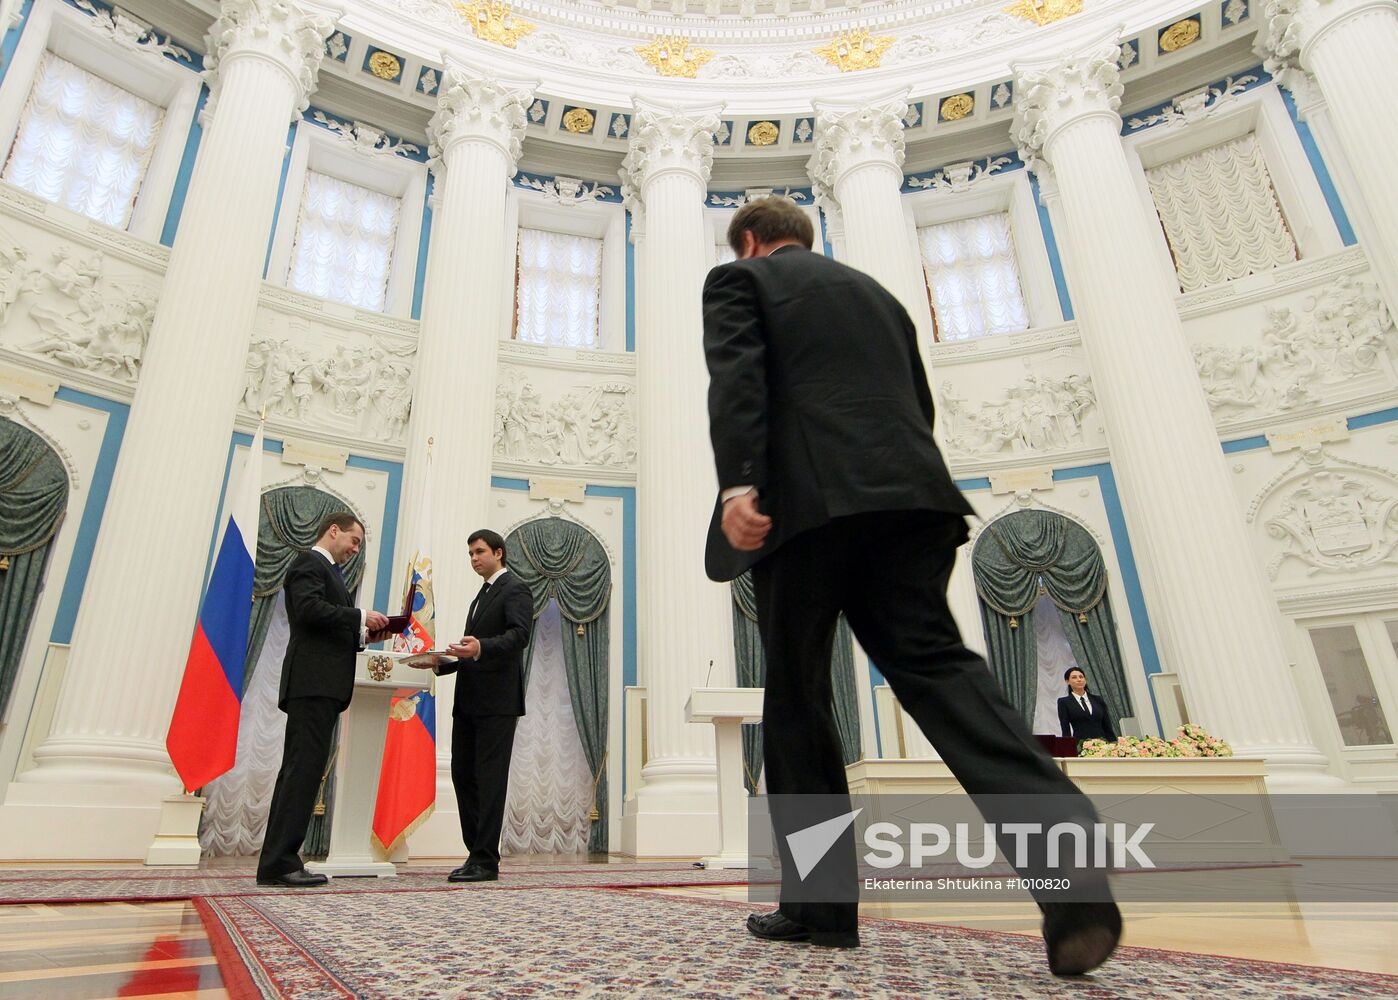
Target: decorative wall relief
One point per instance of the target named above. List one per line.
(362, 388)
(1341, 333)
(1185, 109)
(959, 177)
(588, 425)
(85, 319)
(1329, 514)
(566, 190)
(1040, 413)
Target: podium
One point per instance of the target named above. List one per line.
(377, 677)
(728, 709)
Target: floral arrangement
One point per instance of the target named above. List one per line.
(1191, 741)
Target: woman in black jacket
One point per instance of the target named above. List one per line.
(1082, 715)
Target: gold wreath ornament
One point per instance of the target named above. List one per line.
(578, 121)
(1179, 34)
(957, 107)
(763, 133)
(385, 65)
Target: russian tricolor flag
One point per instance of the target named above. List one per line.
(203, 737)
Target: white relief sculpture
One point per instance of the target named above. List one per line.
(1234, 11)
(130, 32)
(1340, 334)
(752, 194)
(1185, 109)
(366, 138)
(567, 190)
(590, 425)
(363, 388)
(84, 321)
(1041, 413)
(959, 177)
(1338, 516)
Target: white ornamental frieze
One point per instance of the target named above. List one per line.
(591, 425)
(1041, 413)
(65, 308)
(1344, 332)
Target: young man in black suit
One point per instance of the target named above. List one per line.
(833, 491)
(1084, 715)
(317, 682)
(489, 668)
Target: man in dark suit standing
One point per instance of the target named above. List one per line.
(833, 491)
(317, 683)
(1082, 714)
(489, 668)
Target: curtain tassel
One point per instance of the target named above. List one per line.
(592, 814)
(1014, 622)
(582, 632)
(1082, 618)
(319, 809)
(4, 563)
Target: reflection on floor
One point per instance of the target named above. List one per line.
(100, 950)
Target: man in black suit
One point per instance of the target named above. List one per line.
(1082, 714)
(489, 668)
(317, 682)
(833, 491)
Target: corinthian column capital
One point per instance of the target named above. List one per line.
(476, 108)
(1051, 94)
(665, 139)
(850, 136)
(1291, 27)
(289, 34)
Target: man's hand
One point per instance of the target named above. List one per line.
(375, 621)
(744, 525)
(467, 649)
(381, 635)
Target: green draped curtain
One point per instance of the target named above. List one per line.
(286, 526)
(33, 498)
(561, 561)
(752, 672)
(1012, 555)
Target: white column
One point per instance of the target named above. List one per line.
(1218, 621)
(857, 172)
(1350, 46)
(476, 138)
(683, 618)
(106, 749)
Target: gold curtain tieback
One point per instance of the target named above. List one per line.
(1082, 617)
(1014, 622)
(4, 563)
(582, 632)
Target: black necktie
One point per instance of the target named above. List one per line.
(477, 602)
(1083, 700)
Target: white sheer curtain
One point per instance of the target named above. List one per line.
(235, 819)
(83, 142)
(1055, 657)
(970, 268)
(344, 242)
(558, 290)
(546, 810)
(1221, 214)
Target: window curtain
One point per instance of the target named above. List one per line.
(972, 274)
(83, 142)
(1221, 214)
(561, 561)
(33, 499)
(286, 526)
(1012, 556)
(752, 672)
(344, 242)
(558, 290)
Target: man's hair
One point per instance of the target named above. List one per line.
(491, 538)
(771, 220)
(341, 519)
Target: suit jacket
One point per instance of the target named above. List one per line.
(818, 397)
(325, 624)
(1097, 726)
(502, 620)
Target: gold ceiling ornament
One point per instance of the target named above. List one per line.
(673, 56)
(385, 65)
(855, 50)
(493, 21)
(1179, 34)
(1045, 11)
(957, 107)
(763, 133)
(578, 121)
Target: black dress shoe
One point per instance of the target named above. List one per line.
(1080, 936)
(473, 873)
(299, 879)
(775, 927)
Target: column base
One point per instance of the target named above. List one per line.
(1296, 771)
(177, 840)
(41, 822)
(674, 815)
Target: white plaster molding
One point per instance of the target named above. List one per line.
(581, 360)
(1042, 414)
(1002, 345)
(591, 425)
(365, 138)
(289, 33)
(472, 107)
(130, 32)
(959, 177)
(1194, 106)
(1050, 95)
(849, 137)
(1265, 287)
(666, 138)
(14, 409)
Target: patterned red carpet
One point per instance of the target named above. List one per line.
(600, 942)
